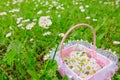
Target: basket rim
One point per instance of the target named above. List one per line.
(90, 46)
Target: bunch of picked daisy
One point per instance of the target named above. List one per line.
(81, 64)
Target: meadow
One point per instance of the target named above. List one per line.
(29, 29)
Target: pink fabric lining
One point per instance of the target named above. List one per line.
(67, 51)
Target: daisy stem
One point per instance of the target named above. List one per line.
(55, 53)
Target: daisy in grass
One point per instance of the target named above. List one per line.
(87, 6)
(117, 2)
(14, 10)
(30, 26)
(31, 39)
(59, 15)
(82, 9)
(10, 27)
(8, 34)
(20, 25)
(46, 33)
(46, 57)
(39, 12)
(3, 13)
(17, 1)
(88, 17)
(81, 64)
(26, 20)
(45, 22)
(19, 20)
(116, 42)
(61, 34)
(94, 20)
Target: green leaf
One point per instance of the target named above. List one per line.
(29, 59)
(33, 74)
(65, 78)
(10, 57)
(48, 78)
(101, 36)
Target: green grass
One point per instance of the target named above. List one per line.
(21, 59)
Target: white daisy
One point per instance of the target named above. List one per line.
(30, 26)
(8, 34)
(76, 3)
(3, 13)
(46, 3)
(31, 39)
(81, 7)
(61, 34)
(14, 10)
(82, 10)
(94, 20)
(20, 25)
(36, 5)
(88, 17)
(117, 2)
(39, 12)
(26, 20)
(19, 20)
(46, 33)
(17, 1)
(46, 57)
(45, 22)
(59, 15)
(87, 6)
(116, 42)
(10, 28)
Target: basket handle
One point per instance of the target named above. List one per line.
(72, 28)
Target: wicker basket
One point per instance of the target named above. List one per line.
(106, 59)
